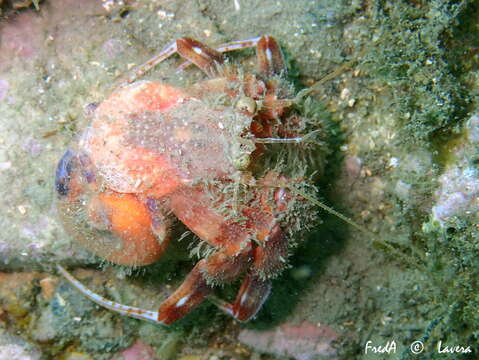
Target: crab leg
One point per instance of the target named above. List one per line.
(268, 256)
(130, 311)
(270, 57)
(255, 289)
(191, 292)
(224, 265)
(251, 297)
(218, 267)
(293, 140)
(164, 54)
(227, 47)
(287, 140)
(206, 58)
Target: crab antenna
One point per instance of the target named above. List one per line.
(329, 209)
(345, 67)
(130, 311)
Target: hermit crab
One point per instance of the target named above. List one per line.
(229, 157)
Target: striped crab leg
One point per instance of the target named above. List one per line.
(130, 311)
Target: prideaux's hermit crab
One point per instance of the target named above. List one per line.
(229, 157)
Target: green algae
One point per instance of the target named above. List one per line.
(410, 55)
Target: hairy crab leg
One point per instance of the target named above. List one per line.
(268, 256)
(130, 311)
(268, 260)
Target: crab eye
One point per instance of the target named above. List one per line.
(63, 173)
(242, 162)
(246, 104)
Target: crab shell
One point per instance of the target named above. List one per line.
(145, 141)
(154, 153)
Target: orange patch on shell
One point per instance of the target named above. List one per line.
(130, 221)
